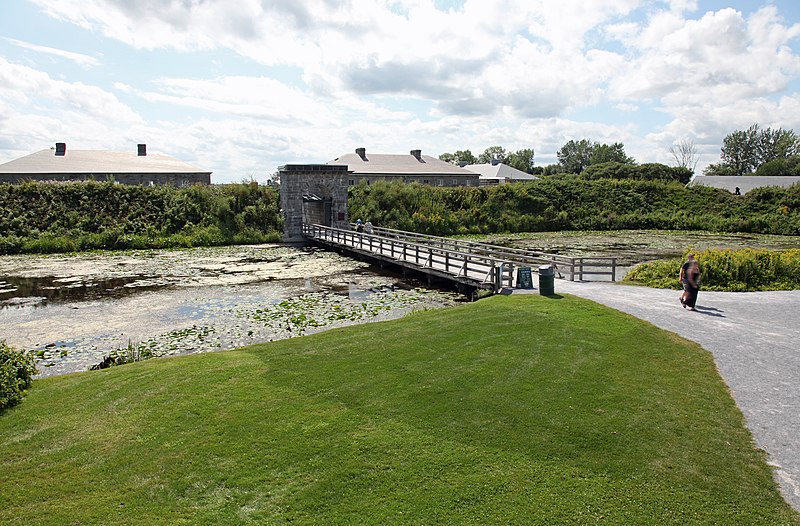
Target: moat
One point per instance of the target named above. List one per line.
(72, 310)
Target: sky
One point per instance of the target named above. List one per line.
(241, 87)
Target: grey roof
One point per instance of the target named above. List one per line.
(744, 182)
(499, 171)
(96, 161)
(388, 164)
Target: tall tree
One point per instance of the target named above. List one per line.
(777, 144)
(465, 157)
(521, 160)
(575, 156)
(492, 152)
(745, 151)
(610, 153)
(685, 154)
(740, 150)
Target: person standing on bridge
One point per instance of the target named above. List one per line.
(368, 227)
(690, 278)
(359, 226)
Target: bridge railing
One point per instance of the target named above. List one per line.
(571, 267)
(487, 271)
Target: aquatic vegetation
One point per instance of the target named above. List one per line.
(296, 316)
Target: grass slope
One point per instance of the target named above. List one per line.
(512, 410)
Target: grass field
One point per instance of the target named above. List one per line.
(512, 410)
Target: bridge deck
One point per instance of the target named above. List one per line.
(470, 263)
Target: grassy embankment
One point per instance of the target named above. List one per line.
(512, 410)
(66, 217)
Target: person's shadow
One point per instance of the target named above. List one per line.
(709, 311)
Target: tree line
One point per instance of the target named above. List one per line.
(574, 157)
(754, 151)
(758, 151)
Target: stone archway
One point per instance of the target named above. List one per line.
(312, 193)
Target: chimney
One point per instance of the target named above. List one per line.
(417, 154)
(496, 161)
(362, 152)
(61, 148)
(142, 149)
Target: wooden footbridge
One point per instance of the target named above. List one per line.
(471, 265)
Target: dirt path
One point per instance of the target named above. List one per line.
(755, 340)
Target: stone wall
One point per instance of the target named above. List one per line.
(304, 189)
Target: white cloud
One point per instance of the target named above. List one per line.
(393, 75)
(82, 60)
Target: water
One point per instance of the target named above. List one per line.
(71, 311)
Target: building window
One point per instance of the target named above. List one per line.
(351, 182)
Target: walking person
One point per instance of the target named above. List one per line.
(368, 227)
(690, 278)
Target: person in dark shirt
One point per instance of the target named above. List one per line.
(690, 278)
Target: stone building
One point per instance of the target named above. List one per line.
(413, 167)
(137, 167)
(317, 193)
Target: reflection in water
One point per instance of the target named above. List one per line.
(40, 291)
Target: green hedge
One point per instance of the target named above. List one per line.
(727, 270)
(644, 172)
(570, 203)
(16, 372)
(62, 217)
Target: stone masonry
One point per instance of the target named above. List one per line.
(309, 191)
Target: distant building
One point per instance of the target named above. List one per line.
(498, 173)
(413, 167)
(122, 167)
(744, 183)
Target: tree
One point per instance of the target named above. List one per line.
(744, 151)
(614, 153)
(492, 152)
(685, 154)
(465, 156)
(780, 166)
(777, 144)
(574, 156)
(740, 151)
(521, 160)
(461, 157)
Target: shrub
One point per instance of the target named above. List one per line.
(727, 270)
(16, 373)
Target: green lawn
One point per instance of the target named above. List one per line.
(512, 410)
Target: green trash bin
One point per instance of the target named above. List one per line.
(546, 279)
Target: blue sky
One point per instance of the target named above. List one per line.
(241, 87)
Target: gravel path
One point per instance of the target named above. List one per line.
(755, 340)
